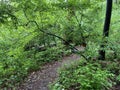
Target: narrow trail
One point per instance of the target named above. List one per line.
(40, 80)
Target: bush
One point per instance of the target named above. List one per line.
(83, 76)
(50, 54)
(91, 51)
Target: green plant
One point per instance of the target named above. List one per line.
(50, 54)
(118, 78)
(84, 76)
(91, 51)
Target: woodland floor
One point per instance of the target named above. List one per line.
(40, 79)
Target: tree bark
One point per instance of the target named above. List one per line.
(106, 29)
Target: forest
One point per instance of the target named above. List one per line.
(59, 44)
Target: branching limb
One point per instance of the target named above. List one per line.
(48, 33)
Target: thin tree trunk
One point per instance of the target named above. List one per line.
(106, 29)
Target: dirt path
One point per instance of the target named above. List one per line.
(40, 80)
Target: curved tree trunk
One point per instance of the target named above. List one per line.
(106, 29)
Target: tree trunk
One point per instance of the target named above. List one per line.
(106, 29)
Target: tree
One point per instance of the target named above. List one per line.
(106, 28)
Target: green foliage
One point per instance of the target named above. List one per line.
(118, 78)
(83, 76)
(27, 25)
(91, 51)
(50, 54)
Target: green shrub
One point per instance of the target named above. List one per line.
(118, 79)
(91, 51)
(83, 76)
(51, 54)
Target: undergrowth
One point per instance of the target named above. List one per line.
(83, 75)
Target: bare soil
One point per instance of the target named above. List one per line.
(40, 80)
